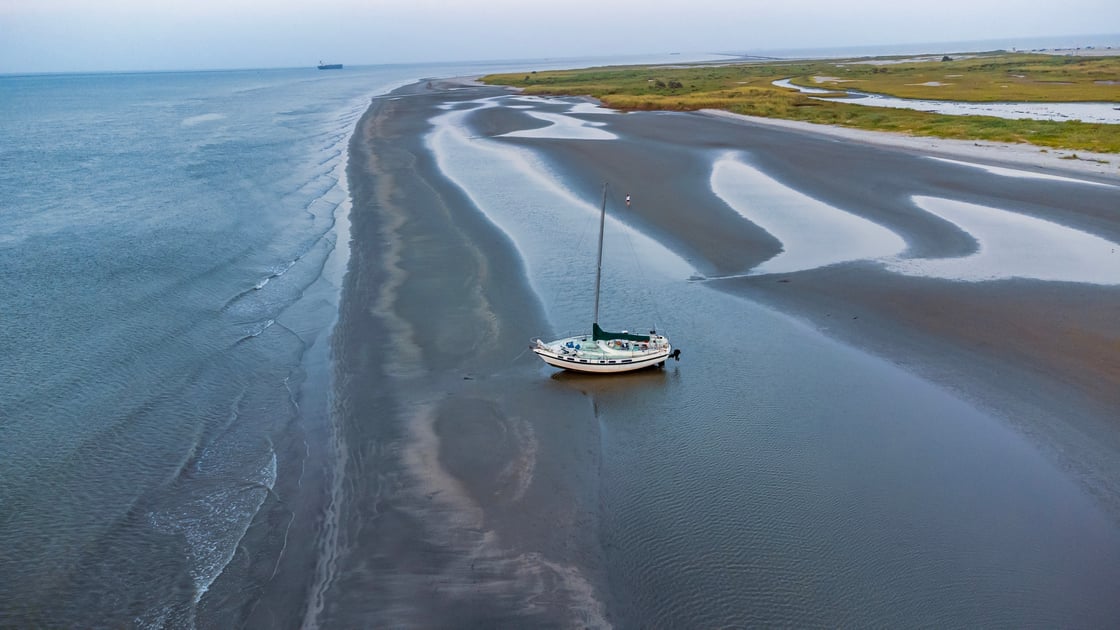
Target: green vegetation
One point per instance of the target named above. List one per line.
(745, 88)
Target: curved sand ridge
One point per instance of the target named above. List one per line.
(1011, 245)
(517, 190)
(815, 234)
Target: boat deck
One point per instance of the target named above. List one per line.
(583, 353)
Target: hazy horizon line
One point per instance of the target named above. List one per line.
(1093, 40)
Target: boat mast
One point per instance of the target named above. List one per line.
(599, 263)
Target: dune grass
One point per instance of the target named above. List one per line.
(745, 88)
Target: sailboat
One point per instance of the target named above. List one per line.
(602, 352)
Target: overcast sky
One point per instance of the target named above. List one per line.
(84, 35)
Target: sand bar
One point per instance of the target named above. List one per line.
(476, 489)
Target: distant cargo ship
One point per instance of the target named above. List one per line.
(330, 66)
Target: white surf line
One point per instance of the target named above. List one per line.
(1011, 172)
(521, 195)
(1013, 245)
(813, 234)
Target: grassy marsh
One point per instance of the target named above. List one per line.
(746, 88)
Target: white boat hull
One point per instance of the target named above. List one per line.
(598, 358)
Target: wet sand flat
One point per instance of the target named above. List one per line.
(1065, 332)
(478, 488)
(465, 491)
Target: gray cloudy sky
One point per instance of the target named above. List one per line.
(80, 35)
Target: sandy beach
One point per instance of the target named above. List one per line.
(478, 488)
(1025, 156)
(445, 460)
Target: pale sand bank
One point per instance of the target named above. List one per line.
(1028, 156)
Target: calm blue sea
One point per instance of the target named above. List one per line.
(170, 250)
(1022, 44)
(157, 233)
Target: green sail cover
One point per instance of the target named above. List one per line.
(600, 334)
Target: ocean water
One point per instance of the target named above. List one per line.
(171, 246)
(1020, 44)
(157, 234)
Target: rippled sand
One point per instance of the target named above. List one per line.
(843, 443)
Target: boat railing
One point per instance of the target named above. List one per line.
(615, 347)
(586, 334)
(633, 348)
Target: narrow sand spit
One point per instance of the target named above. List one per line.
(985, 152)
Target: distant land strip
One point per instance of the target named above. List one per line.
(746, 88)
